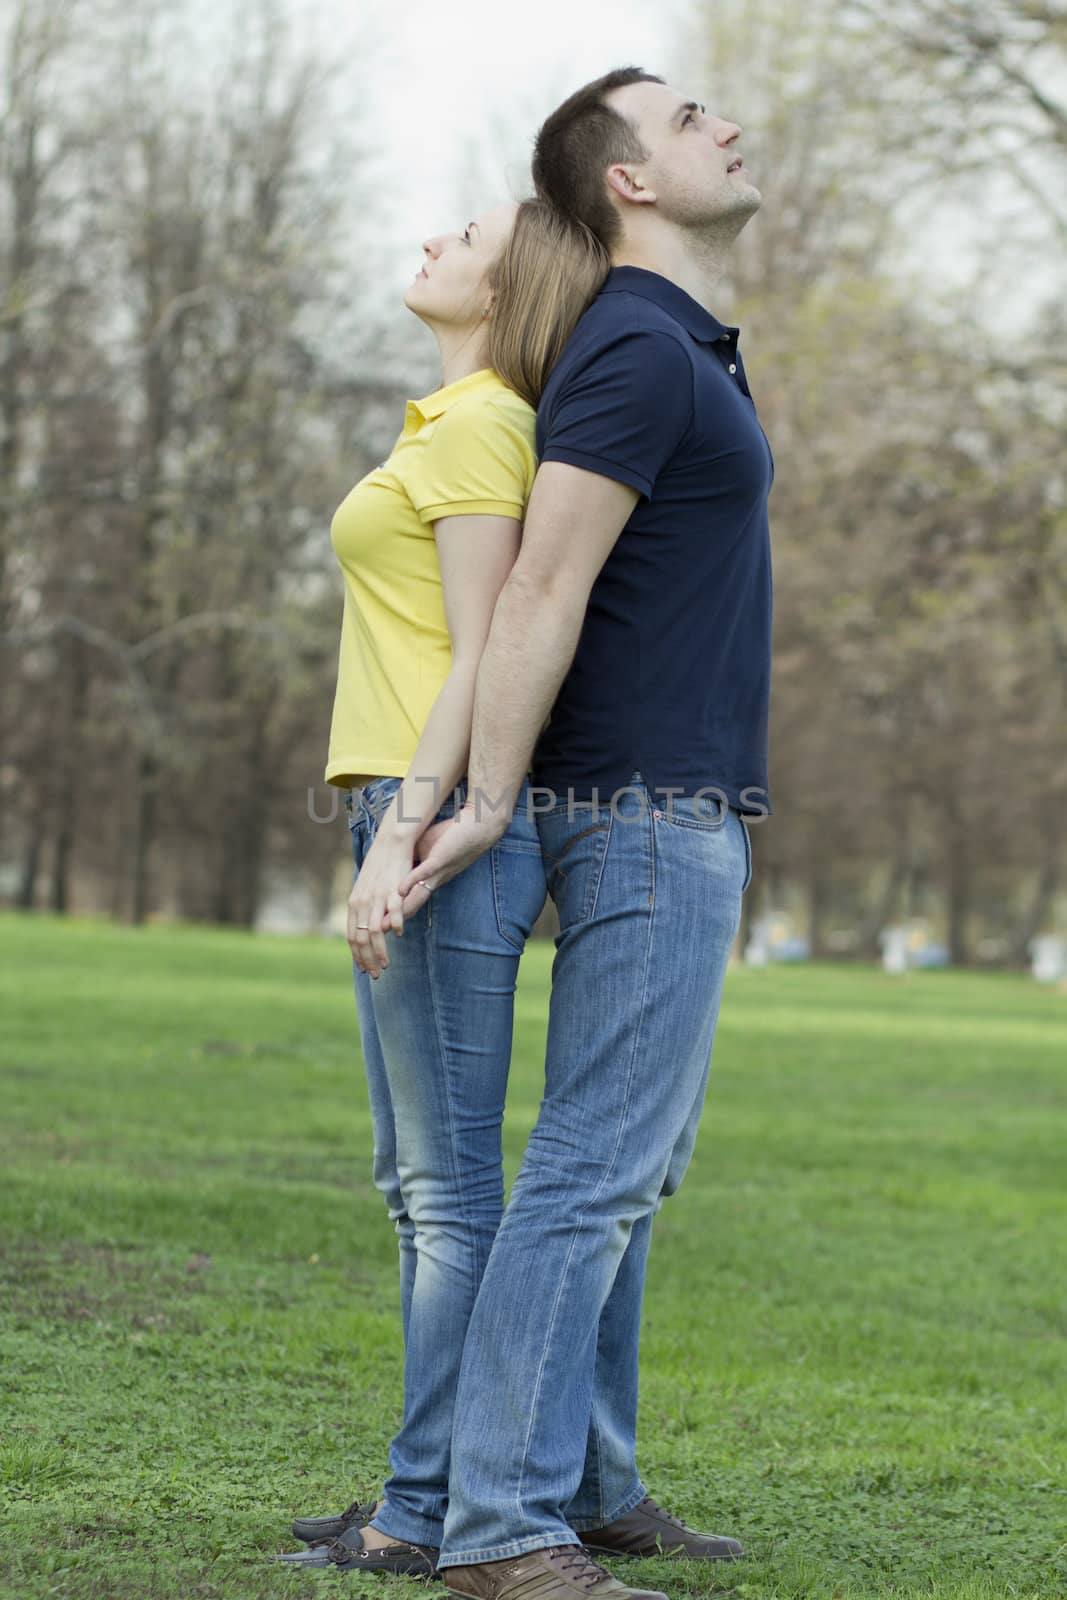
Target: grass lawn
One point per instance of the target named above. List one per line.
(853, 1346)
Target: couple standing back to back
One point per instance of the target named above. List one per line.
(564, 625)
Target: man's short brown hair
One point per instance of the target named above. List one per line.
(578, 142)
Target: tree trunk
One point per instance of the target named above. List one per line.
(957, 889)
(143, 835)
(1033, 917)
(67, 772)
(882, 911)
(26, 898)
(818, 887)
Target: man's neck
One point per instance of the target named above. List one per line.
(697, 263)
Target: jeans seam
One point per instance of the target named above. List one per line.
(608, 1172)
(599, 878)
(651, 864)
(433, 986)
(598, 1454)
(493, 867)
(626, 1505)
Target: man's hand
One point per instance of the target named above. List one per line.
(459, 841)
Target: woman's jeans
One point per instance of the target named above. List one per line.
(436, 1030)
(649, 900)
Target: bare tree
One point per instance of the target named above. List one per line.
(172, 615)
(917, 512)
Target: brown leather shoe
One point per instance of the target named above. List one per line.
(648, 1530)
(562, 1572)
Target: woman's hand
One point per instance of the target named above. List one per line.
(375, 908)
(375, 899)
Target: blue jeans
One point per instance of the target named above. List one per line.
(543, 1438)
(436, 1030)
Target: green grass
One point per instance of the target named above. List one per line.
(853, 1341)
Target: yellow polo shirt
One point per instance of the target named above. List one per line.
(466, 449)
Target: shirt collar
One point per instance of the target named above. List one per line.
(671, 297)
(436, 404)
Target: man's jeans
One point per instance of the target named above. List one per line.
(649, 901)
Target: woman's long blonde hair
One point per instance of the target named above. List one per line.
(546, 275)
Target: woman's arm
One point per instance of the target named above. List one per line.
(476, 554)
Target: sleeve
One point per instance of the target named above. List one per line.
(625, 410)
(479, 460)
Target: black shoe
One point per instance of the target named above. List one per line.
(349, 1554)
(648, 1530)
(316, 1530)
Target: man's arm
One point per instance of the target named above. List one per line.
(572, 522)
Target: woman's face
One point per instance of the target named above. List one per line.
(451, 289)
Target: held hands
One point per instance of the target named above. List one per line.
(391, 885)
(444, 851)
(374, 906)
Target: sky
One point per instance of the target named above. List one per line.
(453, 91)
(460, 87)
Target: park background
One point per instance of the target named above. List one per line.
(853, 1347)
(209, 215)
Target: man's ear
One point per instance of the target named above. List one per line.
(628, 186)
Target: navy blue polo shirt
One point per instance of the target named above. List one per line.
(672, 672)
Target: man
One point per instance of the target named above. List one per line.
(636, 620)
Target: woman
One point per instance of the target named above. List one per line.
(426, 542)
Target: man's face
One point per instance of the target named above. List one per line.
(692, 154)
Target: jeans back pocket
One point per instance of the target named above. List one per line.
(574, 848)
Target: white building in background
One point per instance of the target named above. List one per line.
(292, 902)
(771, 938)
(1048, 958)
